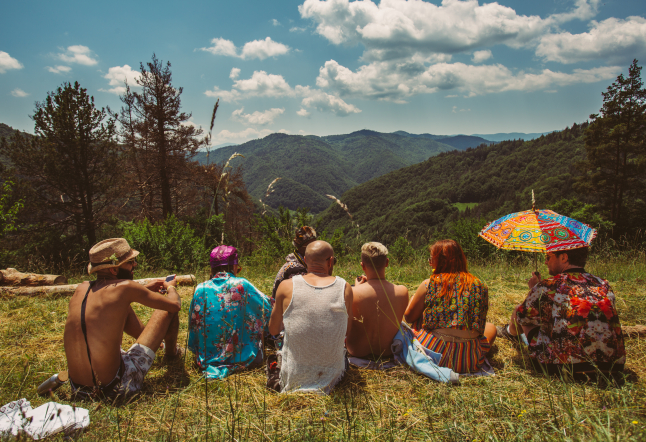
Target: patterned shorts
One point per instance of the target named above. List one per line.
(463, 356)
(137, 361)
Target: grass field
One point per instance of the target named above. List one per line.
(463, 206)
(393, 405)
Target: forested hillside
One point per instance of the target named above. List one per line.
(311, 166)
(415, 200)
(6, 131)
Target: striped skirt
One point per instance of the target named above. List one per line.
(462, 356)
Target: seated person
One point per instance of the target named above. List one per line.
(448, 312)
(295, 265)
(570, 320)
(377, 306)
(100, 312)
(227, 318)
(316, 312)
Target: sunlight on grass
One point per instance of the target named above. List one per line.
(394, 405)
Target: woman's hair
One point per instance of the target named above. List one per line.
(450, 265)
(448, 257)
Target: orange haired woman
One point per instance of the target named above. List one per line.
(448, 312)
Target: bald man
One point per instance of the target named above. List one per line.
(316, 312)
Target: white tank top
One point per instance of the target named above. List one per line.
(313, 354)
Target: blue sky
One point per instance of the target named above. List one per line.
(330, 67)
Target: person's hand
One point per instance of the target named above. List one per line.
(155, 285)
(171, 283)
(360, 279)
(535, 279)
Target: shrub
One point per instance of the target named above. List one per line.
(402, 250)
(169, 244)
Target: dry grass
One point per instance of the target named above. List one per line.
(397, 404)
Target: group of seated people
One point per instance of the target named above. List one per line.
(568, 321)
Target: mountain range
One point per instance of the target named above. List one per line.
(311, 166)
(492, 180)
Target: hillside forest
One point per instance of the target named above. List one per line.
(90, 173)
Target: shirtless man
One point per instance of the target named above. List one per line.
(378, 306)
(99, 314)
(315, 310)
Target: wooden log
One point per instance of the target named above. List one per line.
(633, 331)
(13, 277)
(185, 280)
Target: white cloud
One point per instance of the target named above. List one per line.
(19, 93)
(228, 96)
(455, 110)
(257, 118)
(325, 102)
(261, 84)
(260, 49)
(8, 62)
(275, 22)
(303, 113)
(401, 28)
(396, 82)
(297, 29)
(235, 72)
(226, 136)
(614, 40)
(222, 47)
(59, 69)
(118, 75)
(480, 56)
(78, 54)
(451, 96)
(190, 123)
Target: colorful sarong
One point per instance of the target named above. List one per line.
(459, 354)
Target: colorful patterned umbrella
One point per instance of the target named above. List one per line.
(538, 231)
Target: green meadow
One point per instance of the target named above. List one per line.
(393, 405)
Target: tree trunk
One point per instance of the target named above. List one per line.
(68, 290)
(13, 277)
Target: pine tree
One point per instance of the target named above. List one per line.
(615, 145)
(159, 144)
(72, 164)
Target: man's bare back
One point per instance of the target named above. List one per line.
(108, 315)
(378, 307)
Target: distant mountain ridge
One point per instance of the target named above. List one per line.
(495, 179)
(312, 166)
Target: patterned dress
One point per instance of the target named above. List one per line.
(464, 310)
(228, 316)
(293, 266)
(577, 322)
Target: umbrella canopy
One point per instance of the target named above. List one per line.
(538, 231)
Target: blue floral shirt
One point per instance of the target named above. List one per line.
(228, 316)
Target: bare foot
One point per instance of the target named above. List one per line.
(170, 358)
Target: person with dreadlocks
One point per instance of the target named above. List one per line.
(448, 312)
(295, 263)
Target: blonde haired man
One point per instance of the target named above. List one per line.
(378, 306)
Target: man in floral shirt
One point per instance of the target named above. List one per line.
(227, 319)
(570, 319)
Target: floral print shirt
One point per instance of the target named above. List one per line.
(577, 318)
(228, 316)
(465, 311)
